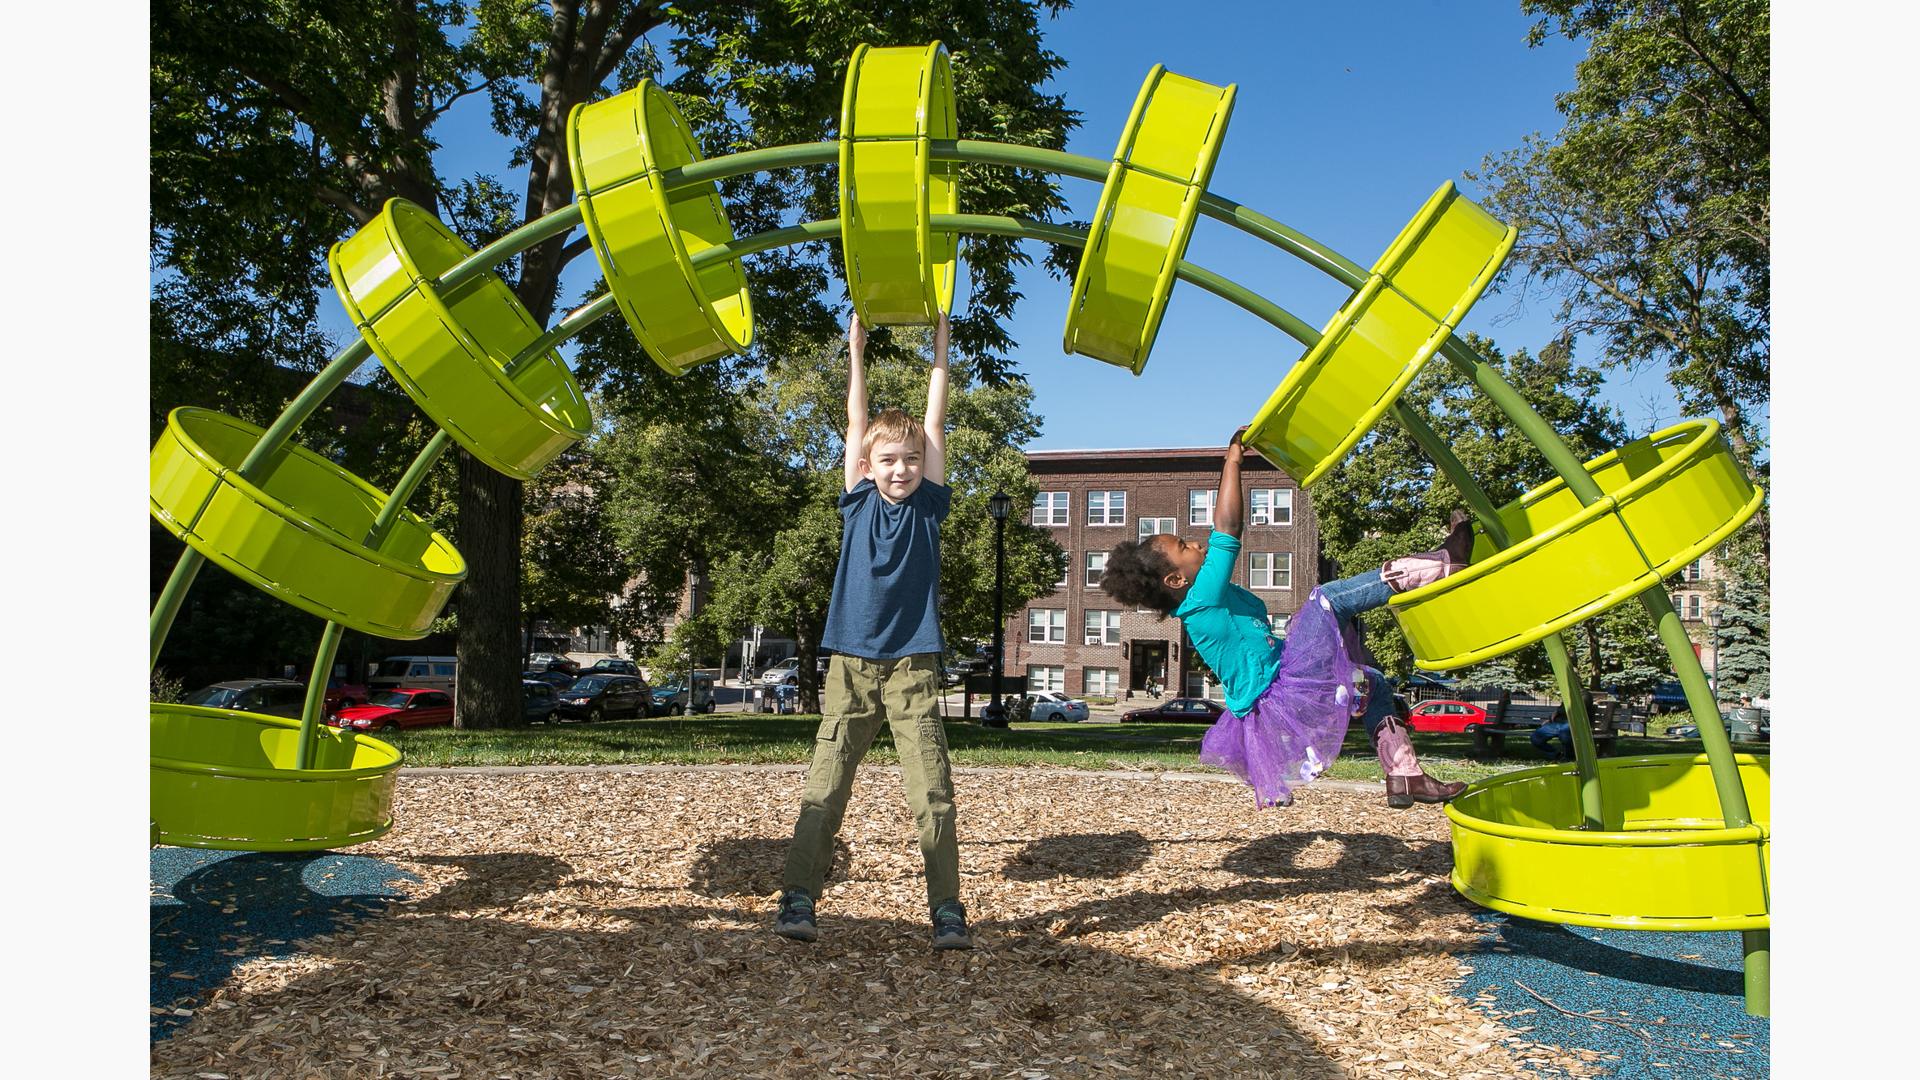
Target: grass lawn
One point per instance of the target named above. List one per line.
(741, 738)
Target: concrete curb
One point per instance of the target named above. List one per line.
(1360, 786)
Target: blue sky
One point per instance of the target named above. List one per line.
(1346, 119)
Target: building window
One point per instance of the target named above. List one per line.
(1270, 569)
(1064, 573)
(1273, 506)
(1050, 508)
(1102, 682)
(1106, 508)
(1096, 566)
(1692, 572)
(1047, 626)
(1046, 677)
(1200, 505)
(1155, 526)
(1693, 605)
(1278, 620)
(1103, 628)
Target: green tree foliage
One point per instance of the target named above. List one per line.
(1387, 499)
(278, 127)
(1648, 212)
(1744, 665)
(573, 566)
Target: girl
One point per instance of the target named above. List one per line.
(1288, 703)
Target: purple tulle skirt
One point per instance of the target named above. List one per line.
(1296, 726)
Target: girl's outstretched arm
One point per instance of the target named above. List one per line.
(1230, 506)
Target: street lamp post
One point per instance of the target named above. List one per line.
(693, 604)
(995, 714)
(1715, 616)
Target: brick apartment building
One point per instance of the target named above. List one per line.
(1077, 640)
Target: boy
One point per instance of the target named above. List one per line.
(884, 630)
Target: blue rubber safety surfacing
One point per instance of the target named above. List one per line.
(214, 910)
(1653, 1005)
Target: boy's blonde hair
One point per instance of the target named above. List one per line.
(893, 425)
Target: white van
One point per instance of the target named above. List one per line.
(431, 672)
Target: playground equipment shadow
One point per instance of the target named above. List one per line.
(211, 911)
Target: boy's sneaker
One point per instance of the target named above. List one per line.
(950, 927)
(796, 916)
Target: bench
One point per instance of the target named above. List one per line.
(1491, 738)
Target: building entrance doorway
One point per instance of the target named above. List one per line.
(1149, 664)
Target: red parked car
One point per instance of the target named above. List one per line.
(1200, 710)
(1451, 717)
(403, 708)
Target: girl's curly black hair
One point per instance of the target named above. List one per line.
(1136, 574)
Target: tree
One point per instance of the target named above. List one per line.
(1387, 499)
(1648, 213)
(573, 565)
(278, 127)
(1744, 662)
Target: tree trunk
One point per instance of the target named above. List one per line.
(488, 693)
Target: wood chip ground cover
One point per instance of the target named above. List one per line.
(606, 923)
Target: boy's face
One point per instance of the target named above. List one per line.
(894, 468)
(1183, 555)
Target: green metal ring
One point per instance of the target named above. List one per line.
(899, 270)
(1145, 217)
(1380, 339)
(298, 533)
(228, 780)
(645, 236)
(449, 348)
(1667, 499)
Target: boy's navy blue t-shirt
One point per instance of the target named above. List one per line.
(886, 590)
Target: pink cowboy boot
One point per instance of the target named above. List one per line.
(1414, 571)
(1407, 783)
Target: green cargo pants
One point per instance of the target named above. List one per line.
(860, 694)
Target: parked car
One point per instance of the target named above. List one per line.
(1451, 717)
(341, 693)
(787, 672)
(537, 700)
(671, 696)
(272, 697)
(546, 661)
(602, 697)
(407, 707)
(559, 680)
(428, 672)
(1052, 705)
(1743, 725)
(1204, 710)
(613, 666)
(788, 669)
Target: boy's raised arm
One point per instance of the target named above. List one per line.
(934, 468)
(856, 399)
